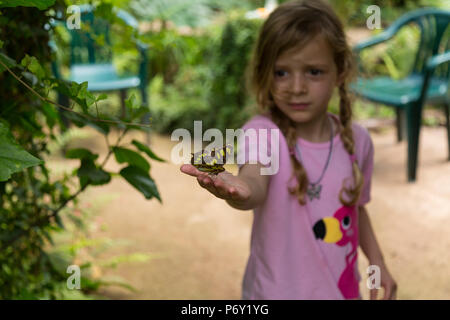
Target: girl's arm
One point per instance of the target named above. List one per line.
(372, 251)
(245, 191)
(257, 183)
(367, 240)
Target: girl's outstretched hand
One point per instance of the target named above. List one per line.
(224, 185)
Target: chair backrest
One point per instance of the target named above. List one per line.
(84, 42)
(434, 37)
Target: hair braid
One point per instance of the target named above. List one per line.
(345, 116)
(287, 127)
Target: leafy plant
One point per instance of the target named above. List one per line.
(228, 96)
(210, 84)
(33, 200)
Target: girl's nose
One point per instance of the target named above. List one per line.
(298, 84)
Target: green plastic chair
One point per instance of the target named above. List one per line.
(93, 63)
(428, 81)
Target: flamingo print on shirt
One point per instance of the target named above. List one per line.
(342, 229)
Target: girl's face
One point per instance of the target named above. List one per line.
(304, 79)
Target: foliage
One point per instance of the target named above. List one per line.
(33, 201)
(210, 83)
(40, 4)
(13, 158)
(192, 13)
(228, 95)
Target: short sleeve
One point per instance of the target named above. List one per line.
(367, 170)
(254, 142)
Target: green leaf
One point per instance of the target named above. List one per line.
(140, 179)
(32, 64)
(138, 113)
(131, 106)
(40, 4)
(144, 148)
(103, 96)
(7, 61)
(1, 44)
(80, 121)
(51, 115)
(13, 158)
(131, 157)
(80, 90)
(81, 153)
(131, 102)
(89, 173)
(90, 99)
(71, 90)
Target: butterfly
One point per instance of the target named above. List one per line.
(212, 162)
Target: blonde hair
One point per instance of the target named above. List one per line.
(291, 25)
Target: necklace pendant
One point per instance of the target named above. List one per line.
(313, 191)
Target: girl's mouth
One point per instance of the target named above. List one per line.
(299, 106)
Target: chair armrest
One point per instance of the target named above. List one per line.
(372, 41)
(394, 27)
(379, 38)
(436, 60)
(382, 37)
(127, 18)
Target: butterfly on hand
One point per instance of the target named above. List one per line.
(212, 162)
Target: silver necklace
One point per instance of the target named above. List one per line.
(314, 188)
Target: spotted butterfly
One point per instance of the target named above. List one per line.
(212, 162)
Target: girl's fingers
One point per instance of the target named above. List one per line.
(387, 293)
(213, 183)
(190, 170)
(218, 190)
(222, 189)
(235, 194)
(206, 183)
(394, 295)
(373, 294)
(390, 293)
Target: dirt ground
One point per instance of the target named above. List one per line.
(202, 244)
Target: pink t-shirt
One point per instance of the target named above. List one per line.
(307, 252)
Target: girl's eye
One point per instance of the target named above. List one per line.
(315, 72)
(280, 73)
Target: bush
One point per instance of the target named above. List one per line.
(34, 202)
(210, 85)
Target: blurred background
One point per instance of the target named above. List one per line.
(166, 238)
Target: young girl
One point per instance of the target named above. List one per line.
(310, 216)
